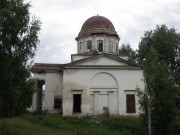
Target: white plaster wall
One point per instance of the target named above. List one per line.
(128, 80)
(79, 79)
(54, 86)
(75, 80)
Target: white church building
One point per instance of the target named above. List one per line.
(97, 78)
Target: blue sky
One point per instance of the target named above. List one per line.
(62, 21)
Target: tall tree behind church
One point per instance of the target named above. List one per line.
(126, 49)
(159, 53)
(18, 43)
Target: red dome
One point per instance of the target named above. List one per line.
(97, 22)
(97, 25)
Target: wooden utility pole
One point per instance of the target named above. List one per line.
(149, 115)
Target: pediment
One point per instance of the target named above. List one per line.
(102, 60)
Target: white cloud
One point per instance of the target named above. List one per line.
(62, 21)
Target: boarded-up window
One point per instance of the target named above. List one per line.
(130, 103)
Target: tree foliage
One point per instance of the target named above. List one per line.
(158, 52)
(18, 42)
(126, 49)
(167, 44)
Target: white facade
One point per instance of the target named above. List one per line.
(103, 85)
(101, 81)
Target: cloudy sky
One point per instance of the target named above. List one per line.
(62, 21)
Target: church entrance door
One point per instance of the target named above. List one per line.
(76, 103)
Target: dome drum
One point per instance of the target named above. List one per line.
(98, 29)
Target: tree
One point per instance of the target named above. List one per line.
(167, 44)
(18, 42)
(126, 49)
(158, 54)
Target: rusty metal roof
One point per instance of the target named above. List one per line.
(97, 25)
(97, 22)
(46, 67)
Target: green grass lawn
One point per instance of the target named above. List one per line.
(28, 124)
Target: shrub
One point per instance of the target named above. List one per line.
(175, 128)
(124, 123)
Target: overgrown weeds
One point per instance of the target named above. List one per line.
(88, 125)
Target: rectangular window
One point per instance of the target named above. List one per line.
(130, 103)
(110, 46)
(57, 102)
(76, 103)
(100, 45)
(89, 45)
